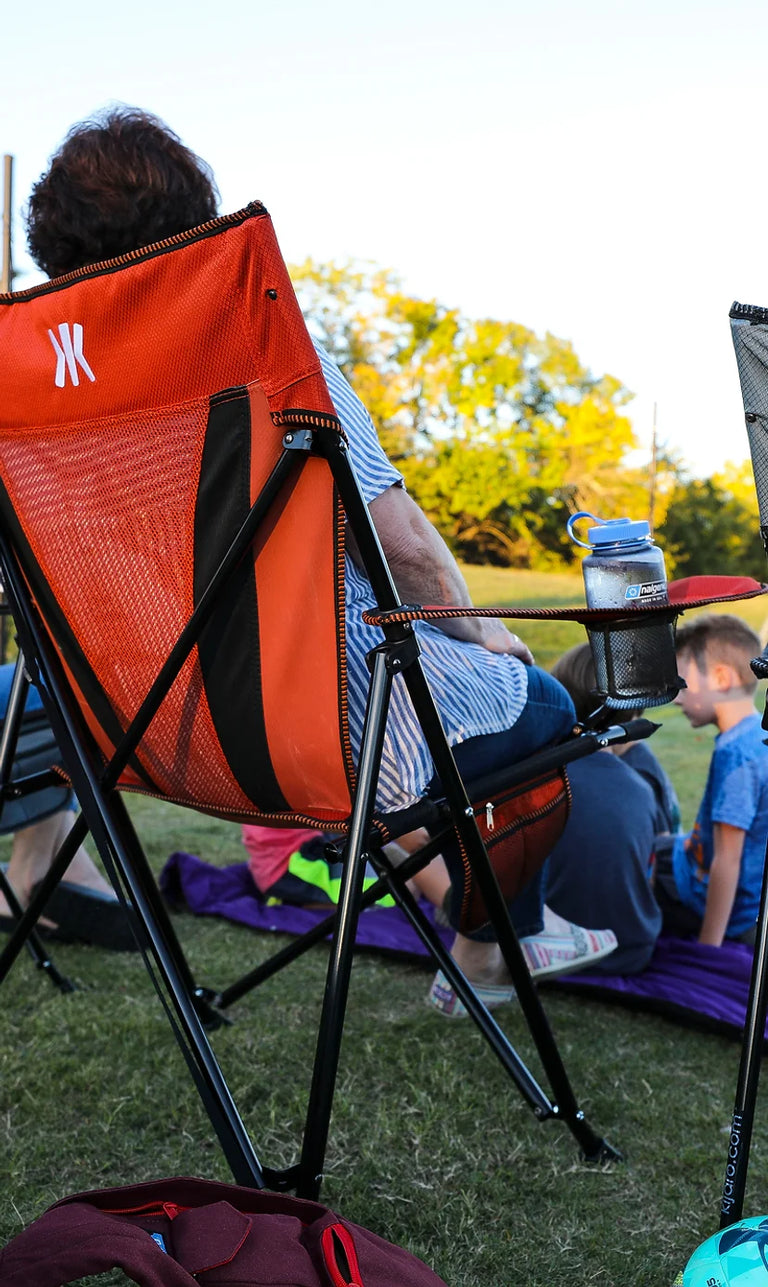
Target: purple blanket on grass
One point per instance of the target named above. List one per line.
(704, 987)
(230, 892)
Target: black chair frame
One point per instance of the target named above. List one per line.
(192, 1008)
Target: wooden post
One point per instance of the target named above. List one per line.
(6, 280)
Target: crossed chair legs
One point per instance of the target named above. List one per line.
(194, 1008)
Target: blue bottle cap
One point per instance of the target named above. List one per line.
(611, 531)
(619, 529)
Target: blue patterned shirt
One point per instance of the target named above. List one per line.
(476, 691)
(737, 794)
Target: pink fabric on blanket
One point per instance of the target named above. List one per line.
(270, 849)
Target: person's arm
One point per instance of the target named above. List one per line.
(723, 880)
(425, 571)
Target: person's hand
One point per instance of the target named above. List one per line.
(496, 638)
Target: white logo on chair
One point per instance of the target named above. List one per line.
(69, 354)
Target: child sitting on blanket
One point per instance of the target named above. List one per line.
(598, 873)
(708, 882)
(294, 866)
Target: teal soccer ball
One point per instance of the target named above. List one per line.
(735, 1256)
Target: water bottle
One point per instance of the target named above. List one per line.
(624, 569)
(634, 655)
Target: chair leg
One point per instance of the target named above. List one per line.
(29, 916)
(127, 865)
(742, 1121)
(593, 1147)
(142, 873)
(497, 1040)
(33, 942)
(310, 1172)
(293, 950)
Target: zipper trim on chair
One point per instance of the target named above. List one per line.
(526, 818)
(104, 266)
(505, 831)
(315, 420)
(253, 816)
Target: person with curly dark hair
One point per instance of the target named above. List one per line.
(120, 180)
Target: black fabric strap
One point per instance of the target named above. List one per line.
(229, 646)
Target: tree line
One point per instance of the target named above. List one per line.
(502, 434)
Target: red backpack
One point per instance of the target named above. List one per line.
(184, 1232)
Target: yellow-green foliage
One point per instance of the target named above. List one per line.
(500, 433)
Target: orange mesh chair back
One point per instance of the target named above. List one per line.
(145, 402)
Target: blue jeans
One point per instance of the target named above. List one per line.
(548, 717)
(34, 701)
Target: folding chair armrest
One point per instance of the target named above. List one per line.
(555, 757)
(689, 592)
(433, 813)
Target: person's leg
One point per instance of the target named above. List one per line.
(33, 851)
(550, 944)
(433, 881)
(34, 846)
(83, 907)
(548, 717)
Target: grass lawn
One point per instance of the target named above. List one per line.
(429, 1145)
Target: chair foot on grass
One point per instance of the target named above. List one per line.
(603, 1152)
(205, 1001)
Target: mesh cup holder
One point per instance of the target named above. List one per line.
(635, 661)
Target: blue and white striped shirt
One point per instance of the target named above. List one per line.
(476, 691)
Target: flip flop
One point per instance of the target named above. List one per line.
(88, 916)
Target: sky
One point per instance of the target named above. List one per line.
(595, 170)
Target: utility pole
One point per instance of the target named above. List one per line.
(6, 279)
(652, 482)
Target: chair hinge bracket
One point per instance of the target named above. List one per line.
(398, 653)
(299, 440)
(281, 1181)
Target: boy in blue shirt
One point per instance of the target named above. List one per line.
(708, 882)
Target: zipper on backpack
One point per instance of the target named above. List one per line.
(336, 1239)
(169, 1209)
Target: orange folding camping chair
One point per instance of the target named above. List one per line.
(174, 490)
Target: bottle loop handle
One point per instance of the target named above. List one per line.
(575, 518)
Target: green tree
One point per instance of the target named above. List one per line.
(500, 434)
(710, 528)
